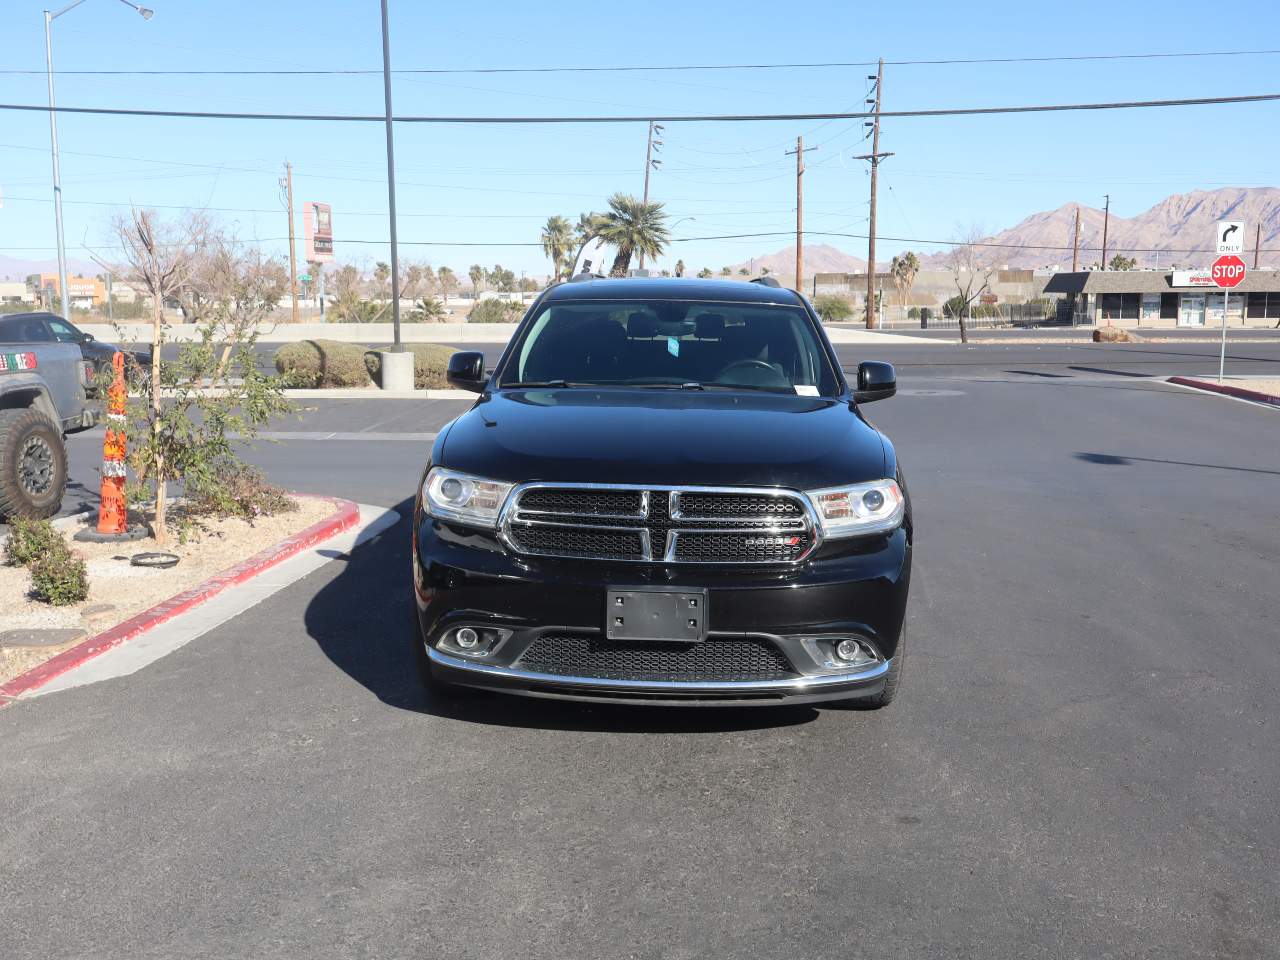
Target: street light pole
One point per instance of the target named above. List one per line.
(57, 173)
(391, 178)
(49, 17)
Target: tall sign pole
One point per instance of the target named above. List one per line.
(391, 178)
(1228, 271)
(293, 256)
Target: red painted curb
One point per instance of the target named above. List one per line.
(345, 517)
(1238, 392)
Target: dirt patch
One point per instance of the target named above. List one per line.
(1267, 385)
(118, 590)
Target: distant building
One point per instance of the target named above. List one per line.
(1179, 298)
(15, 291)
(85, 292)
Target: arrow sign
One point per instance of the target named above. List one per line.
(1228, 236)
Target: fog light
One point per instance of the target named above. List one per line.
(849, 650)
(468, 638)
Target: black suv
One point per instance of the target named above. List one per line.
(666, 492)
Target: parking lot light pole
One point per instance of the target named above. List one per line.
(391, 177)
(49, 17)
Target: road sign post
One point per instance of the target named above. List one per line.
(1228, 271)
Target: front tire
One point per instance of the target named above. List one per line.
(892, 680)
(432, 684)
(33, 465)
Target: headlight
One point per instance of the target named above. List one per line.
(447, 495)
(860, 509)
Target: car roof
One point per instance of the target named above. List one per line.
(672, 288)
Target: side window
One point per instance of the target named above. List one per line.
(63, 333)
(24, 330)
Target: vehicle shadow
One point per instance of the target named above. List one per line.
(361, 620)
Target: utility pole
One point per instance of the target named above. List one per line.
(293, 256)
(875, 156)
(391, 181)
(799, 152)
(1106, 221)
(1075, 245)
(1257, 244)
(650, 163)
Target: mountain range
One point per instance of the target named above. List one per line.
(1177, 231)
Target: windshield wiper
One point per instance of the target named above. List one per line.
(542, 383)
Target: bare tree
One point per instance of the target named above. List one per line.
(245, 288)
(160, 260)
(972, 266)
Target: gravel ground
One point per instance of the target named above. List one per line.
(1269, 385)
(118, 591)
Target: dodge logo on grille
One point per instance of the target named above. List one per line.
(772, 541)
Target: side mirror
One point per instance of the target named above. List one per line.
(87, 337)
(466, 371)
(876, 381)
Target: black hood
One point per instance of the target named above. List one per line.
(663, 437)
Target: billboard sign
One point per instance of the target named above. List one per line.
(318, 230)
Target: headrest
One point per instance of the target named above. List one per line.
(710, 326)
(642, 325)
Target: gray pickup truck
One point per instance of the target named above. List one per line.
(42, 398)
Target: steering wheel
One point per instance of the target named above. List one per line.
(751, 364)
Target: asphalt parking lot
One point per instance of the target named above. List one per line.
(1082, 762)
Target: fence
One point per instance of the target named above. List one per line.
(981, 317)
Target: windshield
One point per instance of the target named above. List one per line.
(672, 343)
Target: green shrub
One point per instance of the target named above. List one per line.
(29, 539)
(430, 364)
(238, 490)
(833, 308)
(59, 577)
(322, 363)
(496, 311)
(426, 310)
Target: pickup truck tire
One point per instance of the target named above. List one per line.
(33, 465)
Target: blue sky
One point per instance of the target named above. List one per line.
(498, 184)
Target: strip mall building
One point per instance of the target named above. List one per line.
(1180, 298)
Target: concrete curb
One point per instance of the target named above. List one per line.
(345, 516)
(1238, 393)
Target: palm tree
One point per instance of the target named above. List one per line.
(704, 273)
(633, 226)
(584, 231)
(903, 270)
(557, 240)
(476, 273)
(448, 280)
(679, 268)
(725, 271)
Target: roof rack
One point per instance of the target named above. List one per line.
(767, 282)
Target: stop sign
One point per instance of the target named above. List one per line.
(1228, 271)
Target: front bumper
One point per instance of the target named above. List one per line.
(464, 577)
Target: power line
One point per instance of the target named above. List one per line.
(648, 68)
(673, 118)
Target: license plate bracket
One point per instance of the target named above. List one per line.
(638, 613)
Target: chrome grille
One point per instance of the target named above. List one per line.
(659, 525)
(584, 655)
